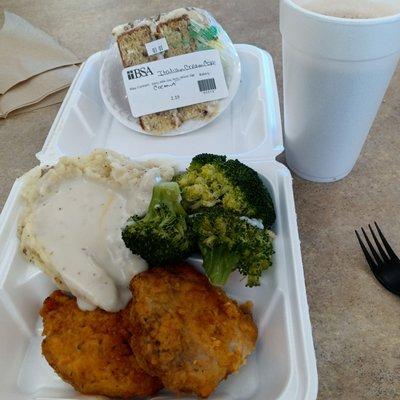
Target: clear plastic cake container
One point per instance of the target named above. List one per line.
(283, 365)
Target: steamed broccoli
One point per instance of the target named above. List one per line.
(228, 241)
(212, 180)
(162, 236)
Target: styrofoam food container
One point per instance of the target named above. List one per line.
(113, 92)
(283, 364)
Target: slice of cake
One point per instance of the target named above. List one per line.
(132, 44)
(176, 31)
(132, 47)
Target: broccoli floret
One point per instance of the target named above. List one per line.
(162, 236)
(228, 241)
(212, 180)
(205, 158)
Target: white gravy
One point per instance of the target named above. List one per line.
(79, 224)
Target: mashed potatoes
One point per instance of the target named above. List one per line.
(72, 221)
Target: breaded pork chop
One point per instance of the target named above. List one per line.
(90, 350)
(186, 331)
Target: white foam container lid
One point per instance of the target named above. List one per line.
(283, 365)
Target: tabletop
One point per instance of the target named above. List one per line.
(356, 324)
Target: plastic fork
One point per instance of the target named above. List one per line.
(382, 260)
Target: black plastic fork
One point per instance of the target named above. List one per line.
(382, 260)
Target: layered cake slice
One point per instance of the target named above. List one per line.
(176, 33)
(131, 42)
(175, 28)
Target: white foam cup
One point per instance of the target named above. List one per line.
(335, 74)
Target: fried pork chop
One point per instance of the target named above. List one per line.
(90, 350)
(186, 331)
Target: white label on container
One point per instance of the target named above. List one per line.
(156, 46)
(175, 82)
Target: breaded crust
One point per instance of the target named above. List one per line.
(186, 331)
(90, 350)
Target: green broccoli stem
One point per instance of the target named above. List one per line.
(167, 193)
(218, 263)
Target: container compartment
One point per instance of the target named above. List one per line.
(283, 365)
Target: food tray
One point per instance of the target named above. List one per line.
(283, 365)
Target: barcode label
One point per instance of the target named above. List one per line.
(206, 85)
(156, 46)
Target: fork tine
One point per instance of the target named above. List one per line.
(378, 245)
(378, 259)
(370, 261)
(385, 243)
